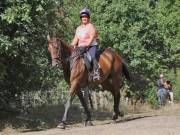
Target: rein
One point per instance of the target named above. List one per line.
(77, 54)
(62, 59)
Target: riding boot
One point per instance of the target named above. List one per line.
(96, 75)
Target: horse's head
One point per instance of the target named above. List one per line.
(59, 50)
(54, 46)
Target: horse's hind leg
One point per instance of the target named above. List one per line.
(116, 95)
(85, 106)
(116, 85)
(114, 89)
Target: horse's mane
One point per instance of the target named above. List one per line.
(68, 52)
(66, 46)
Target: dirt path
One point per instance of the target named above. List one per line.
(137, 125)
(165, 121)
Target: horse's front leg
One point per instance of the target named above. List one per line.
(85, 106)
(67, 106)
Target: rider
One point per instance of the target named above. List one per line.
(161, 91)
(86, 36)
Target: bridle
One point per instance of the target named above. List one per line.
(60, 59)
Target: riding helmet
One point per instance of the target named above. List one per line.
(85, 12)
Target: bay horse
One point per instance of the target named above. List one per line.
(70, 59)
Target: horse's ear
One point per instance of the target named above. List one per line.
(48, 37)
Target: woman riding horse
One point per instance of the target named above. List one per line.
(76, 74)
(71, 60)
(86, 36)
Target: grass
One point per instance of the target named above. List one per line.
(42, 117)
(48, 116)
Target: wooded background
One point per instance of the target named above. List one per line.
(145, 32)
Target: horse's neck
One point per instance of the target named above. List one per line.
(66, 51)
(78, 66)
(66, 72)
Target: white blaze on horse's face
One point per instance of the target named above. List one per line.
(53, 49)
(54, 62)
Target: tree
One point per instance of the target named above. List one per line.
(24, 60)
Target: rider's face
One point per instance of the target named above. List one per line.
(84, 19)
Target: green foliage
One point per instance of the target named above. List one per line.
(148, 37)
(146, 33)
(176, 86)
(18, 13)
(23, 45)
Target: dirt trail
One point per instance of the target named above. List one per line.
(165, 121)
(155, 125)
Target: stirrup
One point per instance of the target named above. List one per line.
(96, 75)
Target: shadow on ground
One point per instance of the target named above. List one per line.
(46, 117)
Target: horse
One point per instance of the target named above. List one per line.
(70, 60)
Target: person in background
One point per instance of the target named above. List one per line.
(161, 91)
(161, 81)
(168, 87)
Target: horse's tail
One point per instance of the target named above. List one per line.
(126, 71)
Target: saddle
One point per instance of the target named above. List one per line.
(88, 61)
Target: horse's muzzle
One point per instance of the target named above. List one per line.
(54, 62)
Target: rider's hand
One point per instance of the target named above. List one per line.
(74, 46)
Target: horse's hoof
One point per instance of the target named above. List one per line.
(88, 123)
(61, 125)
(115, 117)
